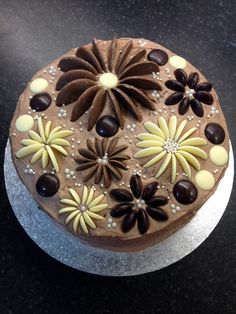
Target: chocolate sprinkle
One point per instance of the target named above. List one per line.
(215, 133)
(47, 184)
(40, 102)
(185, 192)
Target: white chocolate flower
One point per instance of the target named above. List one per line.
(44, 144)
(83, 209)
(169, 142)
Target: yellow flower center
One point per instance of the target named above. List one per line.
(108, 80)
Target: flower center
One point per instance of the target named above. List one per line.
(189, 93)
(171, 146)
(83, 208)
(103, 160)
(108, 80)
(139, 203)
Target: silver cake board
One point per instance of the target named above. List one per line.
(65, 247)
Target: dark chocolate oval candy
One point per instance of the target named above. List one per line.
(175, 85)
(107, 126)
(159, 56)
(185, 192)
(136, 185)
(40, 102)
(47, 184)
(181, 76)
(215, 133)
(174, 99)
(121, 210)
(157, 213)
(143, 221)
(193, 79)
(121, 195)
(129, 221)
(204, 97)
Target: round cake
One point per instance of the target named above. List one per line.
(120, 141)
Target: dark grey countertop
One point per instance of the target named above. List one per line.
(32, 33)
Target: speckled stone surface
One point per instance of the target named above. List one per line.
(32, 34)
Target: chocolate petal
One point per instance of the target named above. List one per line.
(136, 185)
(98, 146)
(72, 76)
(197, 107)
(174, 99)
(181, 76)
(128, 104)
(143, 221)
(138, 95)
(157, 201)
(72, 91)
(72, 63)
(98, 175)
(86, 166)
(90, 146)
(204, 86)
(149, 190)
(85, 54)
(118, 164)
(80, 160)
(98, 54)
(114, 171)
(204, 97)
(175, 85)
(129, 221)
(104, 145)
(112, 145)
(121, 157)
(83, 103)
(117, 150)
(116, 108)
(144, 82)
(157, 213)
(136, 58)
(140, 68)
(111, 54)
(87, 153)
(98, 105)
(123, 55)
(121, 195)
(106, 177)
(184, 105)
(121, 210)
(193, 80)
(91, 173)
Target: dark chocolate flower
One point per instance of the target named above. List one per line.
(103, 160)
(189, 92)
(138, 205)
(92, 81)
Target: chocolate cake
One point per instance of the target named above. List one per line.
(120, 141)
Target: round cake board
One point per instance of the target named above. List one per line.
(65, 247)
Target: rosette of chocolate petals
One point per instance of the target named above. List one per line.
(138, 205)
(83, 81)
(189, 92)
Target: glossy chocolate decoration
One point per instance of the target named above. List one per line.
(159, 56)
(47, 184)
(215, 133)
(185, 192)
(107, 126)
(40, 102)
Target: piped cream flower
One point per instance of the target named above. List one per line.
(83, 209)
(44, 144)
(169, 142)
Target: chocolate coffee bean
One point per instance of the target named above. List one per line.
(107, 126)
(185, 192)
(159, 56)
(40, 102)
(215, 133)
(47, 184)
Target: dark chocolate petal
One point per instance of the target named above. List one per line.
(118, 164)
(98, 54)
(91, 173)
(117, 150)
(121, 210)
(104, 145)
(84, 103)
(149, 190)
(116, 108)
(73, 75)
(157, 213)
(136, 185)
(120, 157)
(137, 94)
(98, 105)
(204, 97)
(85, 54)
(193, 80)
(114, 171)
(157, 201)
(90, 146)
(184, 105)
(123, 55)
(140, 68)
(204, 86)
(86, 166)
(136, 58)
(181, 76)
(185, 192)
(111, 54)
(174, 99)
(98, 174)
(106, 177)
(144, 82)
(72, 63)
(215, 133)
(159, 56)
(197, 107)
(98, 146)
(73, 90)
(81, 160)
(129, 221)
(175, 85)
(87, 153)
(128, 104)
(143, 221)
(121, 195)
(112, 145)
(107, 126)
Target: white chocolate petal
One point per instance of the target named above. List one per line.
(41, 129)
(148, 152)
(28, 150)
(184, 164)
(191, 159)
(149, 137)
(47, 128)
(164, 165)
(90, 196)
(89, 221)
(76, 222)
(85, 195)
(45, 159)
(59, 149)
(173, 168)
(75, 195)
(67, 201)
(194, 150)
(52, 158)
(180, 130)
(172, 125)
(96, 201)
(67, 209)
(56, 129)
(155, 159)
(27, 142)
(37, 156)
(187, 134)
(60, 141)
(98, 208)
(164, 127)
(144, 144)
(95, 216)
(71, 216)
(154, 129)
(194, 141)
(35, 136)
(60, 134)
(83, 224)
